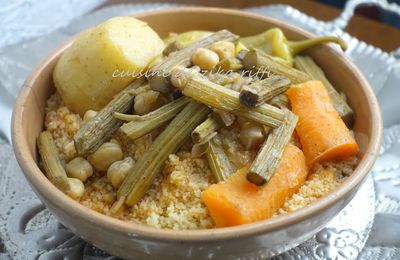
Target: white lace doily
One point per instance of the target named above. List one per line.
(29, 231)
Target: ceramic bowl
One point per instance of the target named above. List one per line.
(264, 238)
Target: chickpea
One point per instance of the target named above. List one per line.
(106, 154)
(76, 188)
(79, 168)
(89, 115)
(69, 150)
(147, 102)
(160, 84)
(181, 76)
(204, 58)
(224, 49)
(251, 135)
(118, 170)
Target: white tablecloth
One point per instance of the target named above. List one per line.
(22, 22)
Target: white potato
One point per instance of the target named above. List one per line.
(86, 75)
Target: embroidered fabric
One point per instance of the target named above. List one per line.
(28, 230)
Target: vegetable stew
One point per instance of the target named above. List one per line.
(199, 130)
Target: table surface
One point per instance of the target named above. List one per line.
(378, 34)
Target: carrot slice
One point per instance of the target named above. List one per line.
(322, 132)
(238, 201)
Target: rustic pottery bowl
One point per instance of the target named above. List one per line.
(264, 238)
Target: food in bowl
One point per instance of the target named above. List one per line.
(211, 130)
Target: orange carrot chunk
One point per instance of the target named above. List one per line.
(322, 132)
(237, 201)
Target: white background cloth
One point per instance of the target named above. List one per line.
(25, 20)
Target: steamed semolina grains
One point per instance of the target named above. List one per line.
(174, 199)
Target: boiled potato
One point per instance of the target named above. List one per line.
(87, 75)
